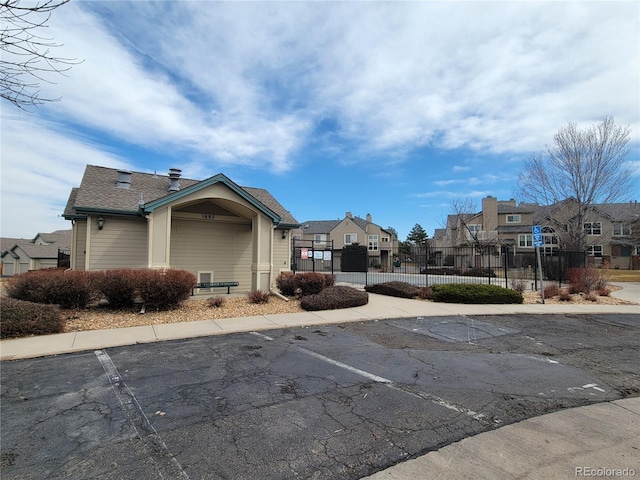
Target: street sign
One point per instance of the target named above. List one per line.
(536, 232)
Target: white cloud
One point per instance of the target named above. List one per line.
(494, 77)
(39, 168)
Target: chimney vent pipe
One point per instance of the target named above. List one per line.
(174, 176)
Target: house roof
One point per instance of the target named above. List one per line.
(99, 193)
(313, 227)
(319, 226)
(6, 242)
(617, 212)
(522, 208)
(60, 239)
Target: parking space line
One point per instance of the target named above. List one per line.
(481, 417)
(139, 420)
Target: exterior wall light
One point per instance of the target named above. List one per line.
(100, 223)
(285, 233)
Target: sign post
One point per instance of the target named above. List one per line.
(536, 232)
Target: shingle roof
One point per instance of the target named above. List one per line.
(60, 239)
(6, 243)
(522, 208)
(98, 192)
(313, 227)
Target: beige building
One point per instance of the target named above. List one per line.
(607, 229)
(45, 250)
(213, 228)
(336, 234)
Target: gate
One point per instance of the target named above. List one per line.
(312, 256)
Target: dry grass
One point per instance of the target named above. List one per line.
(614, 275)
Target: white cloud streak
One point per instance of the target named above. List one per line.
(254, 83)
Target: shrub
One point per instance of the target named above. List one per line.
(564, 296)
(393, 289)
(329, 280)
(585, 280)
(441, 271)
(425, 293)
(217, 302)
(286, 283)
(480, 272)
(258, 296)
(518, 284)
(164, 289)
(20, 318)
(591, 297)
(475, 294)
(604, 292)
(334, 297)
(551, 291)
(310, 283)
(69, 289)
(117, 286)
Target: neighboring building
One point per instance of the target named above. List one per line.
(324, 234)
(607, 229)
(43, 251)
(212, 228)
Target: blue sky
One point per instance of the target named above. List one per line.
(392, 109)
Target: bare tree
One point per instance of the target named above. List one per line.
(582, 168)
(26, 56)
(462, 211)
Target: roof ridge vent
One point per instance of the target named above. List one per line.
(174, 176)
(124, 179)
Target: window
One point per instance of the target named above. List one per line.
(525, 240)
(474, 228)
(621, 229)
(513, 218)
(384, 239)
(373, 243)
(350, 238)
(320, 238)
(549, 239)
(594, 250)
(593, 228)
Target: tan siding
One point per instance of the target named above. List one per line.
(121, 244)
(224, 249)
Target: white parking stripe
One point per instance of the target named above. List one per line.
(481, 417)
(137, 417)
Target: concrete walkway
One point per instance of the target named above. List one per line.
(601, 441)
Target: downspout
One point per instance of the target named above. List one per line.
(271, 252)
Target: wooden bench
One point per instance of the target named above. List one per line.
(228, 285)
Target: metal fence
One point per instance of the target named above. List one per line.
(64, 258)
(425, 266)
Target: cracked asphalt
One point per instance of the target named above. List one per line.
(331, 402)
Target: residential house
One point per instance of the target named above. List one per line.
(334, 235)
(606, 227)
(43, 251)
(213, 228)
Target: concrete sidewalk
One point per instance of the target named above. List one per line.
(601, 440)
(379, 307)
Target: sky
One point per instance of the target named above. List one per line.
(393, 109)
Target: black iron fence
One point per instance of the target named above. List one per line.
(424, 266)
(64, 258)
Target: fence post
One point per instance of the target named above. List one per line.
(506, 265)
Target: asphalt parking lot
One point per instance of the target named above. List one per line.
(336, 401)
